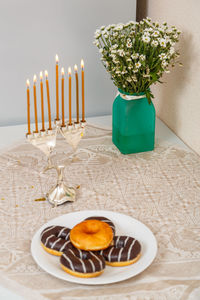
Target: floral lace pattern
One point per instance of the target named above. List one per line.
(159, 188)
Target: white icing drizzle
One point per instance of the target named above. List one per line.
(81, 260)
(100, 262)
(83, 264)
(117, 240)
(67, 236)
(120, 253)
(47, 230)
(53, 245)
(61, 249)
(69, 260)
(109, 254)
(126, 240)
(93, 266)
(80, 253)
(129, 250)
(61, 231)
(48, 239)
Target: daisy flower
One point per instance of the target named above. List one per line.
(146, 39)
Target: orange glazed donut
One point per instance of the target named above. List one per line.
(91, 235)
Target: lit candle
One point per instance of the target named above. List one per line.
(28, 106)
(48, 99)
(83, 91)
(57, 92)
(35, 102)
(62, 86)
(70, 95)
(77, 94)
(42, 100)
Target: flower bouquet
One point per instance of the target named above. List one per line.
(136, 55)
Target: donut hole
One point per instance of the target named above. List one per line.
(91, 227)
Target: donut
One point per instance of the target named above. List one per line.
(103, 219)
(55, 239)
(79, 263)
(126, 251)
(91, 235)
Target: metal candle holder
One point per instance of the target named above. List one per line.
(46, 142)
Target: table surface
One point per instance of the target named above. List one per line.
(12, 134)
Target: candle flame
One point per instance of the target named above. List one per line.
(69, 71)
(41, 75)
(75, 68)
(34, 79)
(28, 83)
(46, 73)
(82, 64)
(62, 71)
(57, 59)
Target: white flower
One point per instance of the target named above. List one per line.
(156, 33)
(146, 39)
(138, 65)
(101, 50)
(121, 53)
(171, 50)
(96, 43)
(97, 34)
(135, 56)
(162, 43)
(128, 59)
(129, 79)
(119, 27)
(113, 51)
(154, 43)
(162, 56)
(102, 27)
(108, 27)
(129, 45)
(115, 34)
(124, 72)
(128, 40)
(115, 46)
(142, 57)
(134, 78)
(135, 70)
(130, 67)
(164, 63)
(146, 32)
(118, 72)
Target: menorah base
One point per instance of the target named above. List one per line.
(61, 194)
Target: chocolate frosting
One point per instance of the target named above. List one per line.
(103, 219)
(56, 238)
(125, 248)
(82, 261)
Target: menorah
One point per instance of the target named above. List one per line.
(71, 130)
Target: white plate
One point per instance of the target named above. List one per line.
(125, 225)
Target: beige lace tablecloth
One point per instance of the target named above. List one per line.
(159, 188)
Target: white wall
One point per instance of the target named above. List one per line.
(32, 32)
(178, 99)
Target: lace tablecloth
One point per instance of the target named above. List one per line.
(159, 188)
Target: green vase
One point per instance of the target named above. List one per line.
(133, 123)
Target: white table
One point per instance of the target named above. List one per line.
(12, 134)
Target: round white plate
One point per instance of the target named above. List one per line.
(125, 225)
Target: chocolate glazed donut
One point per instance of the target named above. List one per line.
(55, 239)
(82, 263)
(103, 219)
(126, 250)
